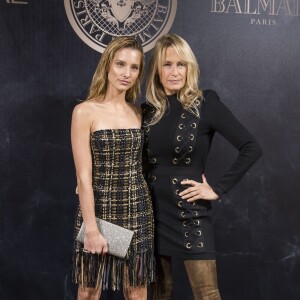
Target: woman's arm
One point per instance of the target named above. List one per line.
(224, 122)
(221, 120)
(80, 138)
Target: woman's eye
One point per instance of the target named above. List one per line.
(120, 64)
(136, 68)
(166, 65)
(181, 64)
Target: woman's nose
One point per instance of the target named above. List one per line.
(175, 70)
(126, 72)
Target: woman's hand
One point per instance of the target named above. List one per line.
(94, 242)
(198, 191)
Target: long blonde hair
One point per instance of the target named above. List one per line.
(189, 94)
(98, 87)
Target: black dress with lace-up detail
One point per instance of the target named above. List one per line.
(176, 148)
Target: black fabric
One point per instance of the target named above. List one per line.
(184, 229)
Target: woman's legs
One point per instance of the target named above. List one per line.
(162, 288)
(88, 293)
(133, 293)
(203, 279)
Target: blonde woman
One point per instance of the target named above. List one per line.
(180, 121)
(106, 141)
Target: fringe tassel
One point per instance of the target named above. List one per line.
(92, 270)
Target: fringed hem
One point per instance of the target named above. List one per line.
(94, 270)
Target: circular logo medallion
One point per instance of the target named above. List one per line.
(96, 22)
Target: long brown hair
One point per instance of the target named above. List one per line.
(189, 94)
(98, 87)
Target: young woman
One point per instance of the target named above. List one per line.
(180, 121)
(107, 140)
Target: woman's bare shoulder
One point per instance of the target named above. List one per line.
(85, 108)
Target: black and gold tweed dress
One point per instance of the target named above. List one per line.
(121, 197)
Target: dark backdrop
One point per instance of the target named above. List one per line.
(254, 67)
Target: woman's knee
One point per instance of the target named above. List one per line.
(138, 293)
(88, 293)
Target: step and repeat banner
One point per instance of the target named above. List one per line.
(248, 51)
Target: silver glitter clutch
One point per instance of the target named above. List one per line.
(118, 238)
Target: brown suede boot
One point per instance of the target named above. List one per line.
(203, 279)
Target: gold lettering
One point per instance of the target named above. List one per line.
(93, 29)
(156, 28)
(264, 22)
(99, 37)
(81, 13)
(144, 34)
(236, 6)
(284, 4)
(85, 21)
(79, 4)
(157, 18)
(264, 5)
(247, 8)
(162, 9)
(218, 3)
(16, 2)
(257, 7)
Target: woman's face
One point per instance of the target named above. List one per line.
(172, 72)
(124, 69)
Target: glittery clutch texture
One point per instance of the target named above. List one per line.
(118, 238)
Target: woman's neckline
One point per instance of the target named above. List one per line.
(172, 96)
(114, 129)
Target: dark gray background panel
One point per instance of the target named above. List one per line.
(46, 68)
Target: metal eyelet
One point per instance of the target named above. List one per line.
(193, 203)
(200, 245)
(153, 178)
(197, 102)
(190, 149)
(179, 138)
(185, 223)
(186, 234)
(174, 180)
(198, 233)
(183, 115)
(179, 203)
(152, 111)
(182, 214)
(188, 245)
(180, 126)
(187, 160)
(146, 140)
(192, 137)
(147, 129)
(196, 222)
(193, 125)
(177, 192)
(175, 161)
(196, 213)
(153, 160)
(177, 149)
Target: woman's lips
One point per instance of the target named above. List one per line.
(124, 82)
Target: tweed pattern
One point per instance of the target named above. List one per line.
(121, 196)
